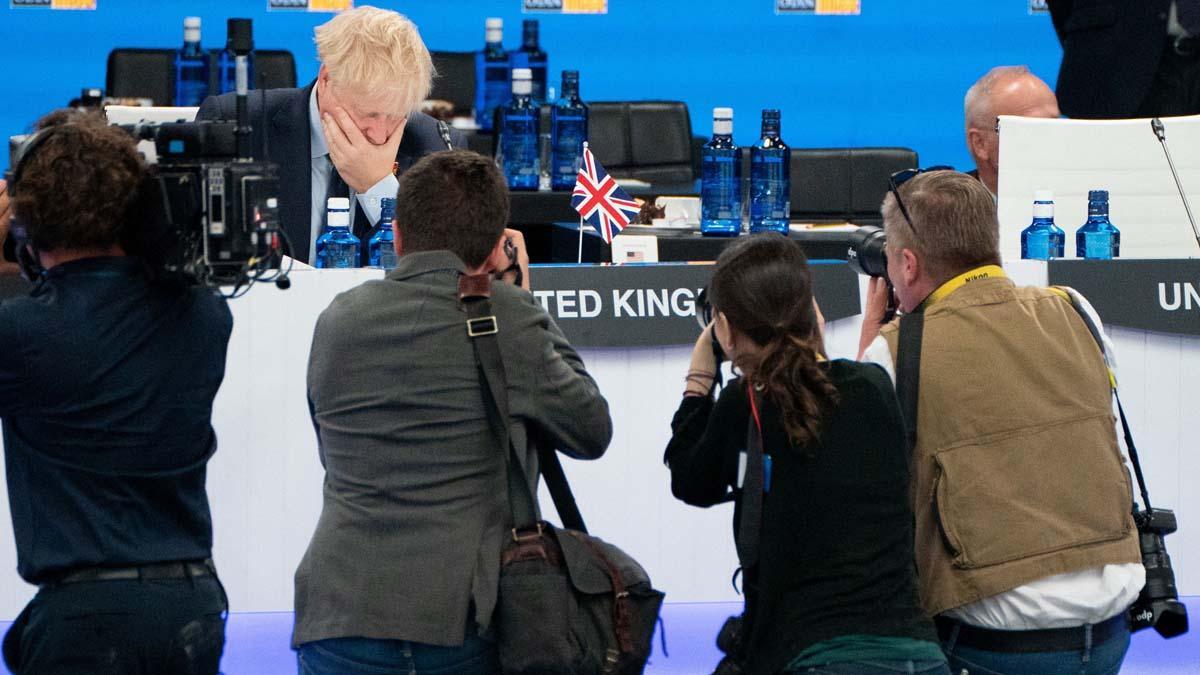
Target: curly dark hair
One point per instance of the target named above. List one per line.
(74, 190)
(762, 286)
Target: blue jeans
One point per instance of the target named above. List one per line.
(1098, 659)
(889, 667)
(362, 656)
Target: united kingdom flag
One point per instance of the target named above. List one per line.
(600, 201)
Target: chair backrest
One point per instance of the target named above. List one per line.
(455, 81)
(647, 140)
(149, 73)
(844, 183)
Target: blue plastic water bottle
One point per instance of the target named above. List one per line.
(227, 61)
(381, 249)
(770, 179)
(519, 136)
(337, 247)
(491, 75)
(1097, 239)
(721, 180)
(1043, 240)
(531, 56)
(191, 66)
(568, 131)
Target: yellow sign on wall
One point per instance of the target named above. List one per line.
(564, 6)
(329, 5)
(73, 4)
(818, 6)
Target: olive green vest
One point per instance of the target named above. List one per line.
(1017, 474)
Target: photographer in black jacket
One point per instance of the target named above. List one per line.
(107, 381)
(822, 520)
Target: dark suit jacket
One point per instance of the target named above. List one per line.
(1111, 51)
(415, 499)
(285, 113)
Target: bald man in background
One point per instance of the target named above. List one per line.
(1004, 90)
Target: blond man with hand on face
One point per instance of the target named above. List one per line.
(342, 135)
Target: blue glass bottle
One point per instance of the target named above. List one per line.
(381, 249)
(519, 155)
(1043, 240)
(191, 66)
(491, 76)
(1097, 239)
(568, 131)
(227, 64)
(770, 179)
(531, 56)
(337, 247)
(721, 180)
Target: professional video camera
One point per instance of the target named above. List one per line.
(207, 212)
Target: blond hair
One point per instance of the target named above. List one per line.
(954, 226)
(376, 50)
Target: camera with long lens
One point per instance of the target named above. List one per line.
(866, 254)
(1157, 606)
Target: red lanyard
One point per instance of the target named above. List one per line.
(754, 413)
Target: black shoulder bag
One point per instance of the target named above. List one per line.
(568, 602)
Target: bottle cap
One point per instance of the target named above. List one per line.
(722, 113)
(1097, 195)
(191, 22)
(1043, 196)
(522, 74)
(770, 114)
(493, 22)
(338, 203)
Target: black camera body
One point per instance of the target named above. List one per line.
(203, 213)
(731, 642)
(1157, 606)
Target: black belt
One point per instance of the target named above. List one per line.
(1026, 641)
(176, 569)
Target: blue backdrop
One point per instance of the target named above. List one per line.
(895, 75)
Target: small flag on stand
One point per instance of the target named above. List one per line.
(600, 201)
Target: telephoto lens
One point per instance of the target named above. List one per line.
(866, 254)
(1158, 604)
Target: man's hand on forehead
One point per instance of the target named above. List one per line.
(359, 162)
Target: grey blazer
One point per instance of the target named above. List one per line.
(415, 500)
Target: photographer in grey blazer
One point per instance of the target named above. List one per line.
(402, 569)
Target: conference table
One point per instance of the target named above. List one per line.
(634, 326)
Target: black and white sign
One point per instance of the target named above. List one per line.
(655, 305)
(1156, 295)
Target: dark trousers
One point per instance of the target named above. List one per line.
(147, 627)
(1175, 90)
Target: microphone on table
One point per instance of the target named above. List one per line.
(1157, 126)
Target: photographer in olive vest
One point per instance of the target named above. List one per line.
(1027, 554)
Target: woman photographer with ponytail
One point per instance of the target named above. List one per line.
(826, 544)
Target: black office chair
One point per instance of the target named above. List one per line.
(455, 81)
(150, 73)
(646, 140)
(844, 183)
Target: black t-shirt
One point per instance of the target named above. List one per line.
(836, 552)
(106, 389)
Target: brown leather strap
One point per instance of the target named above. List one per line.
(622, 624)
(474, 286)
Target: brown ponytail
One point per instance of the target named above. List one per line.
(762, 286)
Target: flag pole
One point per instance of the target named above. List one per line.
(579, 256)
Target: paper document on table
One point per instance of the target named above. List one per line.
(1070, 157)
(634, 248)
